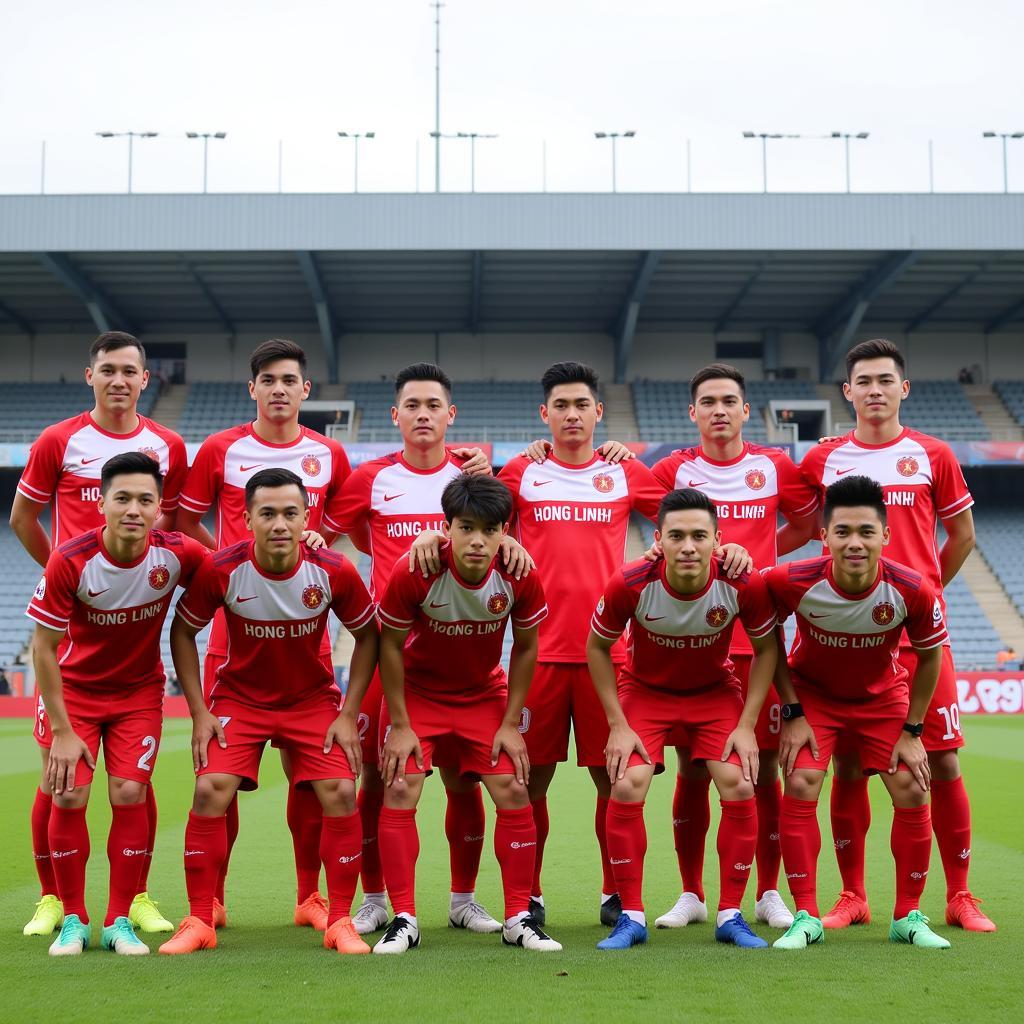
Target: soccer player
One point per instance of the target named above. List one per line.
(275, 685)
(751, 485)
(923, 484)
(98, 610)
(443, 683)
(63, 472)
(844, 684)
(681, 612)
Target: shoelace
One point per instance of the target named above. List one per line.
(622, 925)
(476, 909)
(740, 924)
(396, 928)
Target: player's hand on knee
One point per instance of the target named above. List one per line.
(345, 733)
(537, 451)
(425, 553)
(515, 557)
(654, 552)
(744, 743)
(622, 742)
(65, 752)
(736, 560)
(910, 750)
(313, 540)
(510, 739)
(615, 452)
(401, 744)
(204, 728)
(476, 464)
(795, 734)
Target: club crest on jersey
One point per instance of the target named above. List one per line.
(313, 597)
(497, 603)
(717, 616)
(159, 577)
(755, 479)
(907, 466)
(883, 613)
(603, 483)
(151, 452)
(311, 465)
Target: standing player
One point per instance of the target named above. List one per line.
(275, 685)
(63, 472)
(98, 610)
(681, 612)
(844, 684)
(446, 684)
(923, 483)
(750, 485)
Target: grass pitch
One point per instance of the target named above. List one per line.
(266, 969)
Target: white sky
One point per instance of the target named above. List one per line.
(264, 70)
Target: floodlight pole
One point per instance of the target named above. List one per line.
(205, 136)
(131, 139)
(615, 136)
(846, 136)
(355, 137)
(1004, 136)
(437, 5)
(764, 137)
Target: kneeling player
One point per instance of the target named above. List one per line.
(845, 684)
(274, 686)
(99, 609)
(681, 611)
(446, 686)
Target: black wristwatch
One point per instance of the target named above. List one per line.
(791, 711)
(915, 729)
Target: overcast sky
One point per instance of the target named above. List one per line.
(300, 71)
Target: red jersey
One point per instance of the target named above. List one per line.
(574, 520)
(223, 466)
(275, 623)
(112, 612)
(64, 465)
(456, 628)
(680, 642)
(847, 645)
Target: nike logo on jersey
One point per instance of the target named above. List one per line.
(824, 616)
(697, 483)
(840, 472)
(96, 593)
(541, 483)
(444, 605)
(85, 462)
(245, 469)
(391, 497)
(653, 618)
(242, 600)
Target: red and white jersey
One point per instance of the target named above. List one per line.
(223, 466)
(847, 645)
(574, 520)
(275, 623)
(680, 642)
(64, 465)
(397, 501)
(112, 612)
(456, 628)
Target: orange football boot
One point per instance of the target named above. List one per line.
(343, 937)
(849, 909)
(312, 913)
(220, 914)
(192, 935)
(962, 911)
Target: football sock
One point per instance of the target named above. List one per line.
(69, 852)
(951, 820)
(543, 823)
(850, 808)
(725, 914)
(801, 844)
(40, 818)
(341, 849)
(637, 915)
(769, 852)
(151, 825)
(370, 801)
(400, 846)
(911, 842)
(206, 848)
(737, 838)
(515, 844)
(691, 819)
(627, 846)
(305, 821)
(231, 826)
(601, 830)
(127, 845)
(464, 829)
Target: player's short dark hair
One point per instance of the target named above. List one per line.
(423, 371)
(876, 348)
(130, 462)
(855, 492)
(273, 350)
(683, 499)
(273, 478)
(717, 371)
(570, 373)
(482, 498)
(111, 341)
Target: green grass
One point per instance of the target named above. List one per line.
(266, 969)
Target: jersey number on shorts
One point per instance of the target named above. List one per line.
(524, 720)
(149, 750)
(952, 719)
(774, 719)
(364, 725)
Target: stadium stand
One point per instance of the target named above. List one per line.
(213, 406)
(1011, 392)
(942, 408)
(999, 533)
(17, 582)
(27, 408)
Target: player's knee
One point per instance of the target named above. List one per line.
(209, 799)
(126, 791)
(944, 764)
(337, 797)
(627, 791)
(72, 800)
(402, 794)
(507, 793)
(906, 792)
(804, 785)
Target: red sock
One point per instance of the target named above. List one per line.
(601, 830)
(801, 844)
(370, 801)
(851, 817)
(691, 819)
(400, 846)
(126, 851)
(627, 844)
(305, 821)
(737, 839)
(206, 847)
(543, 824)
(69, 853)
(769, 850)
(911, 842)
(464, 828)
(951, 819)
(41, 843)
(151, 821)
(515, 846)
(231, 826)
(341, 849)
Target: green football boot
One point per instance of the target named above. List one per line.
(49, 916)
(73, 938)
(120, 937)
(803, 932)
(913, 930)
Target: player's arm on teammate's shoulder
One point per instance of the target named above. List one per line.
(475, 461)
(25, 523)
(191, 524)
(736, 560)
(960, 541)
(425, 553)
(515, 558)
(401, 742)
(522, 662)
(796, 532)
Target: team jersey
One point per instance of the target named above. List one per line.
(397, 501)
(112, 612)
(678, 641)
(574, 520)
(847, 645)
(275, 623)
(454, 645)
(64, 465)
(224, 464)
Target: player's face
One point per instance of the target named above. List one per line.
(876, 389)
(279, 390)
(719, 410)
(117, 378)
(474, 544)
(688, 539)
(572, 413)
(423, 413)
(277, 517)
(855, 537)
(131, 506)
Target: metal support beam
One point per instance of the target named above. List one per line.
(625, 324)
(105, 315)
(1008, 314)
(474, 294)
(15, 317)
(226, 321)
(723, 320)
(324, 319)
(950, 293)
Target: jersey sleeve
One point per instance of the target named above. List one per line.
(348, 507)
(511, 476)
(193, 556)
(781, 592)
(205, 478)
(812, 469)
(205, 594)
(614, 610)
(341, 468)
(402, 597)
(797, 498)
(757, 611)
(665, 470)
(54, 597)
(351, 601)
(645, 492)
(951, 495)
(531, 608)
(177, 471)
(926, 626)
(42, 470)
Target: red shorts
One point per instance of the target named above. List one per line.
(942, 722)
(465, 729)
(211, 663)
(559, 694)
(298, 729)
(128, 725)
